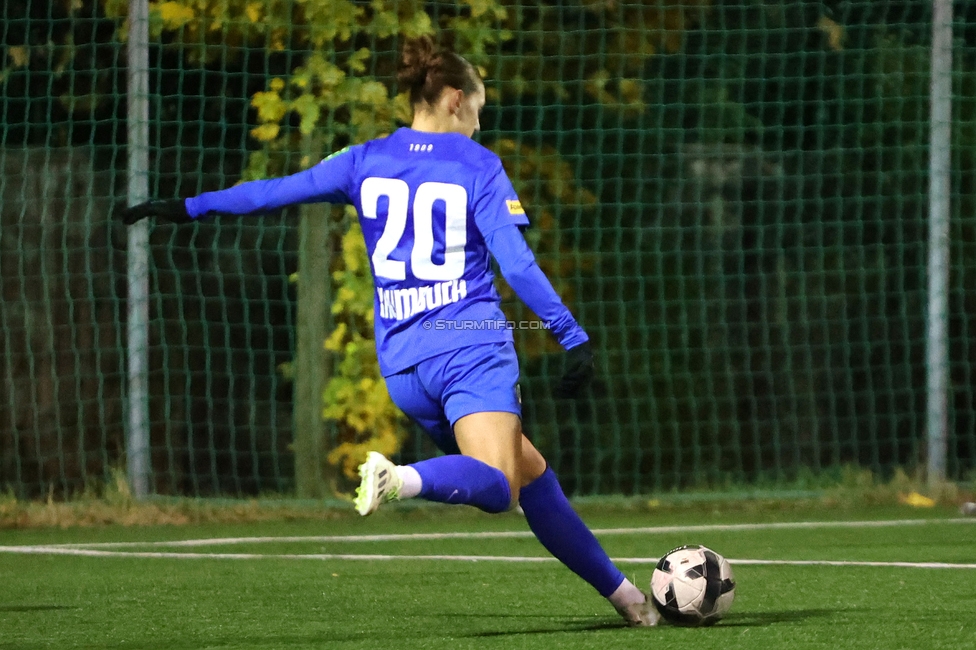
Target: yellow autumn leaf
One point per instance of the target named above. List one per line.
(357, 60)
(631, 91)
(270, 106)
(116, 8)
(308, 110)
(334, 340)
(833, 31)
(345, 294)
(265, 132)
(916, 500)
(479, 7)
(19, 55)
(418, 25)
(174, 15)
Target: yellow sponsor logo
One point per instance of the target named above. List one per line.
(515, 207)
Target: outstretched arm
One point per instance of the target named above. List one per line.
(325, 182)
(315, 185)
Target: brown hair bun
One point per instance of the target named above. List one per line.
(426, 69)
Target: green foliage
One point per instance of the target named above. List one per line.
(790, 210)
(356, 397)
(732, 196)
(57, 78)
(598, 41)
(334, 98)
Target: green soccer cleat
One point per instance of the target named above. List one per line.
(380, 483)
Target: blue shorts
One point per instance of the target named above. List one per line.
(439, 391)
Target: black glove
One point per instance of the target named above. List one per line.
(578, 371)
(172, 210)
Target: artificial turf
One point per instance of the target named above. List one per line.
(174, 603)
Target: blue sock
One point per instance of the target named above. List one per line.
(464, 480)
(564, 534)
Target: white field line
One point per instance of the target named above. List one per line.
(655, 530)
(52, 550)
(55, 550)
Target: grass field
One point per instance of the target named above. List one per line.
(294, 593)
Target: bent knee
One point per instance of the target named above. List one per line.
(501, 501)
(497, 496)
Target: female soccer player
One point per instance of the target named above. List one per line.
(433, 205)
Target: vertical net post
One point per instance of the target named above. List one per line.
(310, 375)
(137, 435)
(938, 261)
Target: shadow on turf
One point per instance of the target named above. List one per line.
(34, 608)
(570, 625)
(592, 627)
(733, 620)
(761, 619)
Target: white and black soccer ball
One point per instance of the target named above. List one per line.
(693, 585)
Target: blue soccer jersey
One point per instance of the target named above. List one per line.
(433, 207)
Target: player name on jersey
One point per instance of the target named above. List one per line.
(400, 304)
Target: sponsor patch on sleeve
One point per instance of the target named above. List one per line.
(515, 206)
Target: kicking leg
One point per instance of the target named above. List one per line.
(480, 474)
(475, 389)
(484, 475)
(453, 479)
(562, 532)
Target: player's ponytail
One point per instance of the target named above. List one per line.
(426, 69)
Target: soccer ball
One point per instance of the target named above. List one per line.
(693, 585)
